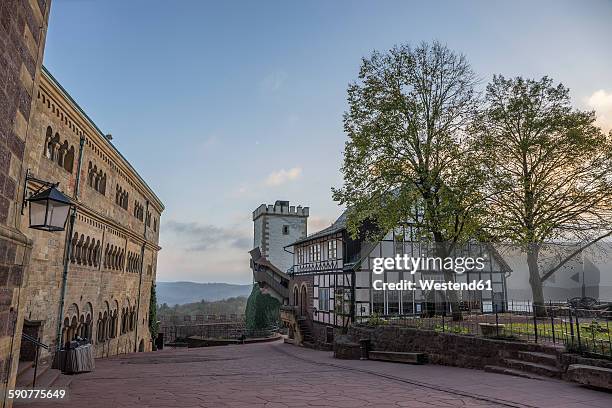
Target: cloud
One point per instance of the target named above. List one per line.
(274, 81)
(601, 102)
(198, 237)
(282, 176)
(316, 223)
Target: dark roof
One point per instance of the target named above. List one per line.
(51, 193)
(337, 226)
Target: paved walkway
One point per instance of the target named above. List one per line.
(275, 375)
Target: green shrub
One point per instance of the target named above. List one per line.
(262, 310)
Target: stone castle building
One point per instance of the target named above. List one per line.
(114, 244)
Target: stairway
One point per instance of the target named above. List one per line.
(307, 339)
(46, 377)
(529, 364)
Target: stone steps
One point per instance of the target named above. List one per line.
(516, 373)
(398, 357)
(539, 358)
(307, 338)
(533, 368)
(45, 376)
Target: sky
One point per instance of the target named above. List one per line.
(222, 106)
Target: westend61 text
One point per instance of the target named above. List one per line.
(432, 285)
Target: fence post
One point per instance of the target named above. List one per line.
(569, 310)
(609, 341)
(578, 332)
(535, 322)
(443, 322)
(496, 322)
(552, 320)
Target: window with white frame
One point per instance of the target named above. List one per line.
(324, 299)
(332, 249)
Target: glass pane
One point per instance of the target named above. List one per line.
(38, 210)
(58, 212)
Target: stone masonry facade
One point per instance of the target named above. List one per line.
(114, 244)
(23, 27)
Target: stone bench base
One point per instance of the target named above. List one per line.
(592, 376)
(398, 357)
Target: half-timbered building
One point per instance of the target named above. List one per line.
(331, 281)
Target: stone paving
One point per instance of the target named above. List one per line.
(275, 375)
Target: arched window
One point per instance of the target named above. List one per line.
(103, 184)
(73, 244)
(69, 160)
(86, 253)
(49, 143)
(79, 250)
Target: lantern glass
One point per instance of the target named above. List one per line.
(49, 210)
(57, 214)
(38, 212)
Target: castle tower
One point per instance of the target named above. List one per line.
(276, 226)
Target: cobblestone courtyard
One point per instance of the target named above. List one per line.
(276, 375)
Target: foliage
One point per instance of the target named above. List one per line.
(234, 305)
(262, 310)
(408, 158)
(376, 320)
(153, 324)
(548, 170)
(452, 329)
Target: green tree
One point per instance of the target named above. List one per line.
(408, 156)
(262, 310)
(153, 325)
(548, 170)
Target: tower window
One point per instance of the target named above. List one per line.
(285, 230)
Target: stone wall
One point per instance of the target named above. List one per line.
(23, 26)
(441, 348)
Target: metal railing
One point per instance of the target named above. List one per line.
(214, 331)
(585, 331)
(38, 345)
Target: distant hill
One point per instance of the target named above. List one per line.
(179, 293)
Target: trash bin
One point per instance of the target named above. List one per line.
(159, 341)
(76, 360)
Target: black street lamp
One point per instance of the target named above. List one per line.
(49, 210)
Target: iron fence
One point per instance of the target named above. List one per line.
(216, 331)
(586, 331)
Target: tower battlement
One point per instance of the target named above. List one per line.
(280, 208)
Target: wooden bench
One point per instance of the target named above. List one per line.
(398, 357)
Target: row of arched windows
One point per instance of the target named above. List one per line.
(77, 324)
(57, 151)
(128, 319)
(138, 210)
(107, 327)
(96, 178)
(133, 262)
(85, 250)
(114, 257)
(121, 197)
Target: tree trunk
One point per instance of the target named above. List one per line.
(451, 296)
(533, 253)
